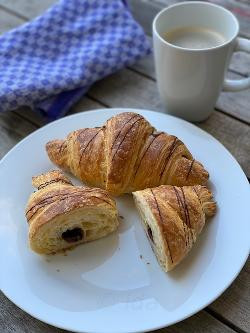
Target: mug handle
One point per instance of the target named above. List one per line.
(242, 44)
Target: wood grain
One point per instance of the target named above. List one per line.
(234, 304)
(200, 323)
(13, 319)
(8, 21)
(240, 63)
(27, 8)
(12, 130)
(235, 103)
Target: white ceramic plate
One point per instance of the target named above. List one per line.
(105, 286)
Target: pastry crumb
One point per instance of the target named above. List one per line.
(121, 217)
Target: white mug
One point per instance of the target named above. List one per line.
(190, 80)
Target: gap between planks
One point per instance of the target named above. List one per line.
(222, 319)
(12, 12)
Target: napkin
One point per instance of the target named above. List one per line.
(50, 62)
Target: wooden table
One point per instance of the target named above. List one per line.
(135, 87)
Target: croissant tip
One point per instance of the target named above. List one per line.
(209, 206)
(202, 173)
(52, 144)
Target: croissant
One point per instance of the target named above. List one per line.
(173, 217)
(125, 155)
(61, 215)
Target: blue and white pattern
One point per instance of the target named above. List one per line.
(72, 45)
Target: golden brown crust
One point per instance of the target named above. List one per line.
(124, 134)
(125, 155)
(179, 215)
(57, 196)
(45, 179)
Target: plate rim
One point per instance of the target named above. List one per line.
(117, 110)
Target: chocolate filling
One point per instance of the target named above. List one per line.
(150, 234)
(73, 235)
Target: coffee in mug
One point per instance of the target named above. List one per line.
(194, 37)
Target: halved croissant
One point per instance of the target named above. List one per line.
(172, 218)
(61, 215)
(125, 155)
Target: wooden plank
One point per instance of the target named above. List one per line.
(8, 21)
(32, 116)
(240, 63)
(12, 130)
(233, 134)
(144, 12)
(234, 304)
(127, 89)
(235, 103)
(13, 319)
(202, 322)
(27, 8)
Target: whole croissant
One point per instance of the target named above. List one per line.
(125, 155)
(61, 215)
(172, 218)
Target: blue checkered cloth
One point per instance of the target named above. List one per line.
(50, 62)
